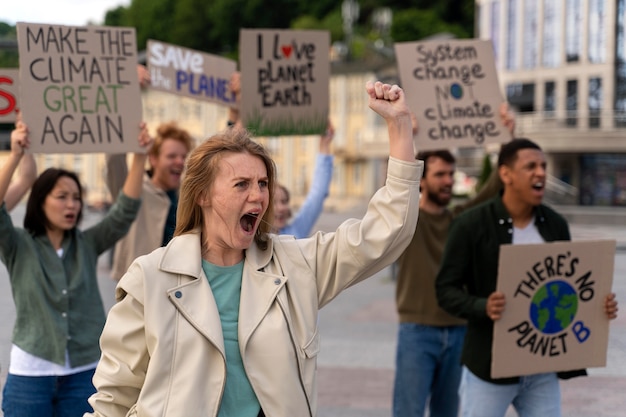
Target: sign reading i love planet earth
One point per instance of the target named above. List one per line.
(452, 88)
(554, 315)
(284, 81)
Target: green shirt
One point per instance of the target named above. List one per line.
(57, 299)
(239, 399)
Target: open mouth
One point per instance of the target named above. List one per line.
(538, 186)
(248, 221)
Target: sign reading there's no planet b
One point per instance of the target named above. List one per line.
(79, 90)
(8, 94)
(554, 318)
(285, 78)
(190, 73)
(452, 87)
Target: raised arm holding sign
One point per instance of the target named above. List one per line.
(78, 87)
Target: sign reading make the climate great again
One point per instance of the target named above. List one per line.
(452, 87)
(79, 90)
(285, 78)
(554, 317)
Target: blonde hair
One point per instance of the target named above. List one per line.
(201, 170)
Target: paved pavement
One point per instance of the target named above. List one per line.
(356, 363)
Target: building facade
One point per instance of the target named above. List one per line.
(562, 66)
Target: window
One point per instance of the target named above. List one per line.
(595, 101)
(571, 104)
(597, 31)
(549, 98)
(521, 96)
(511, 38)
(573, 30)
(620, 66)
(530, 34)
(552, 33)
(494, 29)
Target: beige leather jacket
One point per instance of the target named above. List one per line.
(163, 350)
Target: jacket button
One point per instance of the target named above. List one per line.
(178, 294)
(277, 281)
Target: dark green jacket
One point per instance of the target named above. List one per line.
(57, 300)
(469, 272)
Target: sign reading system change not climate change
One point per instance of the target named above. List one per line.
(554, 318)
(452, 87)
(79, 90)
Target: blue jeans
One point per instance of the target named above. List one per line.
(428, 364)
(536, 395)
(47, 396)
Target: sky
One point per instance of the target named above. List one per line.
(61, 12)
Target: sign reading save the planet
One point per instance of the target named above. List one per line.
(190, 73)
(284, 81)
(8, 94)
(554, 316)
(452, 87)
(79, 90)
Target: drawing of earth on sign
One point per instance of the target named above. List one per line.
(554, 307)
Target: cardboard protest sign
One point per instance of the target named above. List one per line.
(190, 73)
(554, 318)
(285, 78)
(8, 94)
(452, 87)
(79, 90)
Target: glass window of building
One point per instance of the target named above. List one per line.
(530, 35)
(595, 101)
(597, 31)
(573, 30)
(620, 65)
(511, 34)
(521, 96)
(603, 180)
(571, 104)
(549, 98)
(494, 28)
(552, 33)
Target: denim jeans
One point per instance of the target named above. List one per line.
(47, 396)
(428, 369)
(536, 395)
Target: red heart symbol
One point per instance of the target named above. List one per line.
(286, 50)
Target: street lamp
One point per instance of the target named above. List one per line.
(349, 13)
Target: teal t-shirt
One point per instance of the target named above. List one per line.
(239, 399)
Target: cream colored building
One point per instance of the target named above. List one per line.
(562, 64)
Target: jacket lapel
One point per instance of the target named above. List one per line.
(192, 296)
(259, 287)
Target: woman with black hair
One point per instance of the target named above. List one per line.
(52, 269)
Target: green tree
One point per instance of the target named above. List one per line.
(413, 24)
(485, 172)
(116, 17)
